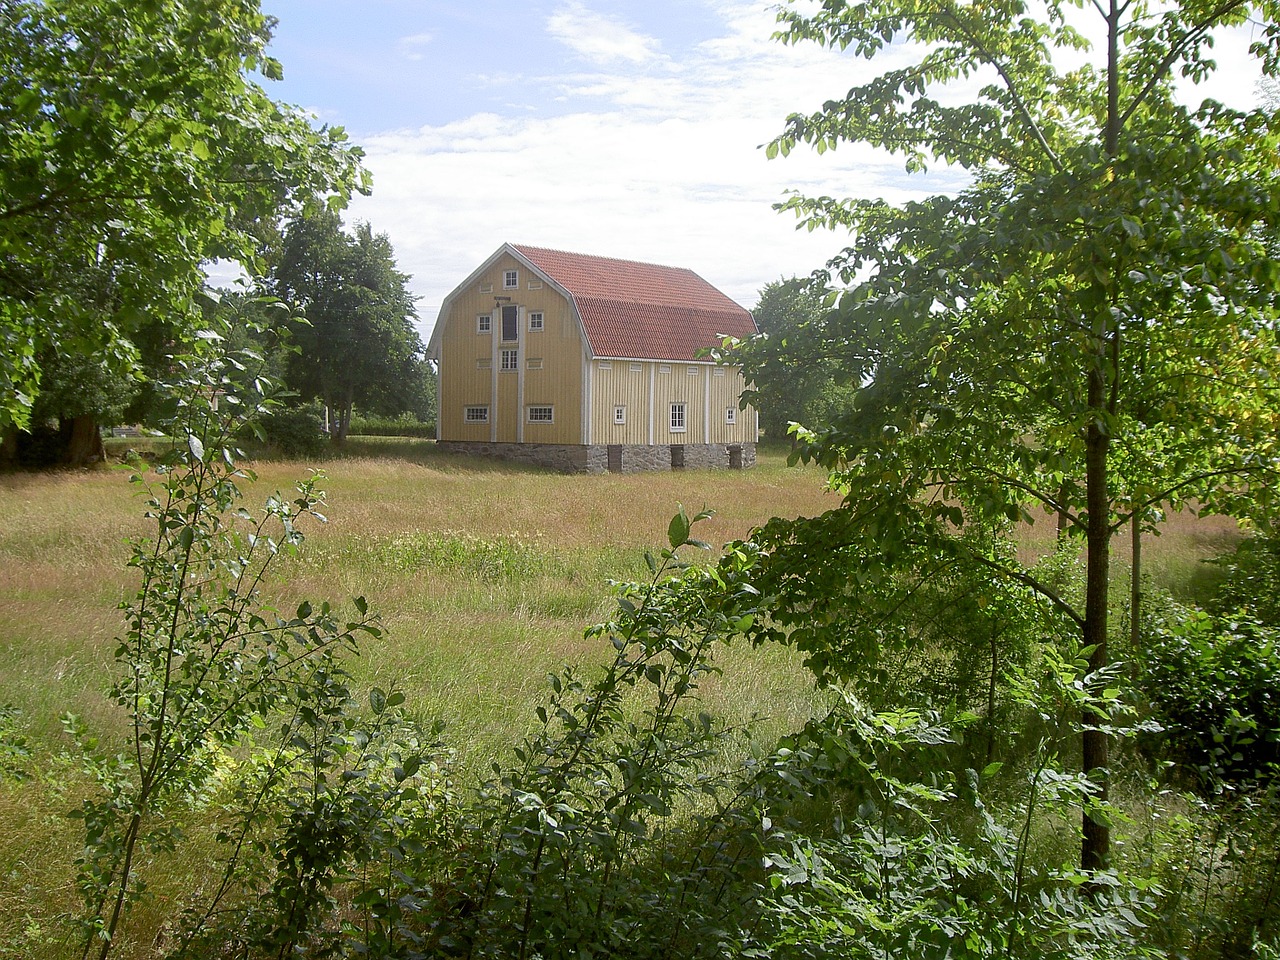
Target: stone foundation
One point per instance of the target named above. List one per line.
(614, 458)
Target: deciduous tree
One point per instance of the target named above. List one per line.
(137, 146)
(1087, 329)
(360, 344)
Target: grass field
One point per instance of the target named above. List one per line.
(485, 577)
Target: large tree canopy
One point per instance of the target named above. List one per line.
(137, 146)
(360, 345)
(1088, 329)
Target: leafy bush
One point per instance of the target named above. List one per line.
(406, 425)
(295, 432)
(1214, 684)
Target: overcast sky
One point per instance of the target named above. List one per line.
(623, 128)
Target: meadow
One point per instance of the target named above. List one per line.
(484, 576)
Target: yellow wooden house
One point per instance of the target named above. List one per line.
(586, 363)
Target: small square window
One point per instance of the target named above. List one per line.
(677, 418)
(619, 414)
(535, 321)
(510, 279)
(477, 415)
(484, 323)
(542, 415)
(731, 415)
(510, 359)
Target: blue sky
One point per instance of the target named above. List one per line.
(624, 129)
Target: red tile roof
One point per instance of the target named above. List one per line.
(640, 311)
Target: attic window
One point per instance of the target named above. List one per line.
(535, 321)
(484, 323)
(510, 279)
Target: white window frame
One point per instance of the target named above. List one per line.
(510, 279)
(484, 323)
(637, 368)
(549, 418)
(620, 413)
(679, 417)
(730, 415)
(536, 321)
(475, 414)
(692, 371)
(510, 360)
(604, 364)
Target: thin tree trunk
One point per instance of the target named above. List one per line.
(1135, 589)
(1095, 849)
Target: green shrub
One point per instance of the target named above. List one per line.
(1214, 684)
(296, 432)
(404, 425)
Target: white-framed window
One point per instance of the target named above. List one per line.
(731, 415)
(620, 413)
(677, 418)
(542, 415)
(637, 367)
(484, 323)
(719, 372)
(510, 323)
(476, 415)
(484, 363)
(604, 365)
(535, 320)
(664, 368)
(510, 279)
(510, 360)
(692, 371)
(534, 363)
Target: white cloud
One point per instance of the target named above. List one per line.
(411, 47)
(600, 39)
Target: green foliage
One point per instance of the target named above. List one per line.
(1085, 328)
(203, 662)
(138, 146)
(295, 432)
(790, 383)
(405, 425)
(1214, 684)
(359, 345)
